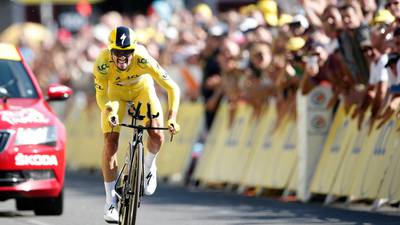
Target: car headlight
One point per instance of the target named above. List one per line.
(37, 136)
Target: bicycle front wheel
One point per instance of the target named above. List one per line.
(133, 186)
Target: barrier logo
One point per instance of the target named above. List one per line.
(318, 124)
(318, 98)
(268, 136)
(380, 146)
(234, 134)
(290, 142)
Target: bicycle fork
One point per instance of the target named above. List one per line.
(123, 177)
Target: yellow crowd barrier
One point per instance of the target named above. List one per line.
(335, 148)
(352, 157)
(261, 158)
(284, 161)
(85, 140)
(390, 185)
(359, 164)
(293, 179)
(174, 156)
(233, 153)
(253, 152)
(372, 166)
(205, 169)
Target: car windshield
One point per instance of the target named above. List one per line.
(15, 79)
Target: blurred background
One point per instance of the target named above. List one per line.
(259, 55)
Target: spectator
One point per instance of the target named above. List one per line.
(394, 7)
(368, 8)
(332, 26)
(379, 76)
(231, 76)
(211, 73)
(258, 84)
(356, 31)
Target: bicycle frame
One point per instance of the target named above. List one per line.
(132, 184)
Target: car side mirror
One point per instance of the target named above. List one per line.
(58, 92)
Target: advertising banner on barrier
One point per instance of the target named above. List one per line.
(205, 170)
(236, 152)
(389, 188)
(255, 174)
(348, 169)
(366, 183)
(337, 142)
(285, 156)
(314, 120)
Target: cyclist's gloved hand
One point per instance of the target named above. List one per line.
(173, 126)
(111, 109)
(113, 119)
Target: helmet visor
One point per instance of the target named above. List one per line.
(120, 53)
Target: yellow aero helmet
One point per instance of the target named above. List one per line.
(122, 38)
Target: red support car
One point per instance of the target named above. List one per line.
(32, 138)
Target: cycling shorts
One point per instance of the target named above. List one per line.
(146, 94)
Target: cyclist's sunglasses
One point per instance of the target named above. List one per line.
(120, 53)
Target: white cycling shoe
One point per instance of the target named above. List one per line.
(150, 180)
(111, 214)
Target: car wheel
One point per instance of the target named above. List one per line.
(24, 204)
(49, 206)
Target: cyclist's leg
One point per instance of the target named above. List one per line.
(111, 136)
(109, 162)
(156, 137)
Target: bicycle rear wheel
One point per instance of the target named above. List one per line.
(133, 185)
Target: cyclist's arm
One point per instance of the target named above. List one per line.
(162, 78)
(101, 73)
(173, 90)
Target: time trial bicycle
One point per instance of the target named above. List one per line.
(129, 187)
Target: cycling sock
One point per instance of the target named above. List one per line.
(110, 195)
(149, 159)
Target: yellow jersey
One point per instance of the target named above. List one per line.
(113, 84)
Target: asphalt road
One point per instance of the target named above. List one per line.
(172, 205)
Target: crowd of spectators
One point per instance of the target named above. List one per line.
(254, 54)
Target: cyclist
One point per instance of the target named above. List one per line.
(122, 73)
